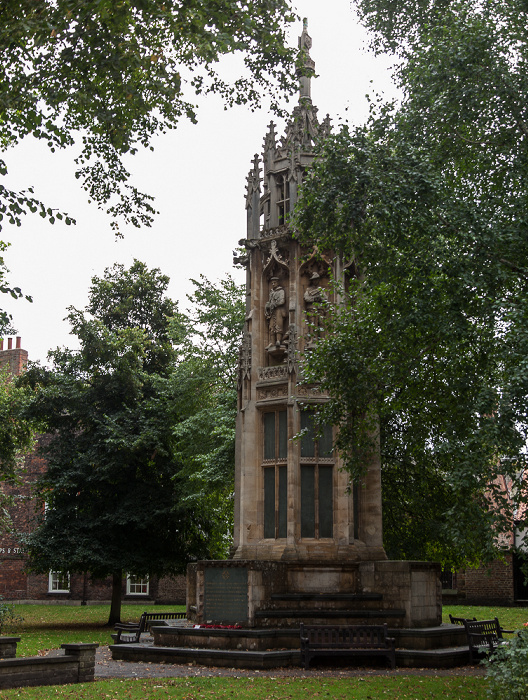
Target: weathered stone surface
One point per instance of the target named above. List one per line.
(404, 594)
(76, 666)
(300, 525)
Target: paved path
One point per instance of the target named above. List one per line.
(107, 668)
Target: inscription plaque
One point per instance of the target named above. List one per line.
(225, 595)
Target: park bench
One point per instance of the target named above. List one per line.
(459, 620)
(346, 640)
(130, 632)
(484, 636)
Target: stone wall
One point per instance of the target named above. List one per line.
(76, 666)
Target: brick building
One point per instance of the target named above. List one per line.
(500, 583)
(16, 583)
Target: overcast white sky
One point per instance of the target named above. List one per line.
(197, 175)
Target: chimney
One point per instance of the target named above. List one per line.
(15, 359)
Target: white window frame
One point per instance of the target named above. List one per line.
(135, 582)
(57, 578)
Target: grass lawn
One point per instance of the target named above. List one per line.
(407, 687)
(509, 618)
(49, 626)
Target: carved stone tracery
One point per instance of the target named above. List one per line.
(275, 392)
(253, 181)
(244, 361)
(292, 357)
(269, 373)
(277, 260)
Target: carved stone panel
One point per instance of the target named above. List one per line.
(310, 391)
(272, 392)
(269, 373)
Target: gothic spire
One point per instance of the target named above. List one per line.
(307, 70)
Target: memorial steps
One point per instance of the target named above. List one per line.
(436, 647)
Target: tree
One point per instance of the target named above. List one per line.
(16, 439)
(463, 74)
(16, 436)
(115, 493)
(105, 78)
(109, 76)
(428, 203)
(207, 378)
(5, 318)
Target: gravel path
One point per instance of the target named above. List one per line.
(107, 668)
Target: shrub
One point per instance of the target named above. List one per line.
(507, 669)
(7, 614)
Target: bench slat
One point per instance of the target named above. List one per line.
(483, 636)
(350, 640)
(130, 632)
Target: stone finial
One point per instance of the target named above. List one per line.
(270, 141)
(253, 181)
(307, 67)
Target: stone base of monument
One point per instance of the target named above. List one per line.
(263, 603)
(437, 647)
(261, 594)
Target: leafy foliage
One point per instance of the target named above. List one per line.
(7, 614)
(429, 202)
(207, 377)
(5, 318)
(507, 669)
(109, 76)
(16, 439)
(116, 494)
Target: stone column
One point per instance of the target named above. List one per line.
(85, 655)
(8, 647)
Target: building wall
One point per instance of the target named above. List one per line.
(490, 585)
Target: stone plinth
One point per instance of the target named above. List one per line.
(281, 594)
(8, 647)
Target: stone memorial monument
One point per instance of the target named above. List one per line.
(307, 542)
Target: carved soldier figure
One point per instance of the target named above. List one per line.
(275, 313)
(314, 294)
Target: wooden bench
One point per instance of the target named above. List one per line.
(346, 640)
(459, 620)
(130, 632)
(484, 636)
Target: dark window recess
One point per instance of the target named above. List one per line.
(269, 502)
(520, 582)
(317, 478)
(307, 500)
(283, 198)
(448, 577)
(275, 474)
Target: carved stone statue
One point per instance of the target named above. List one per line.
(275, 313)
(314, 294)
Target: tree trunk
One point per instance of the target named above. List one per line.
(115, 605)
